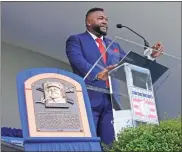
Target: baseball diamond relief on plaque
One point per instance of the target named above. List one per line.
(55, 107)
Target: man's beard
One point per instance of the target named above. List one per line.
(97, 29)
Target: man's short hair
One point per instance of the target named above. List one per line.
(93, 10)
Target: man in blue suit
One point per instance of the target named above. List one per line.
(83, 50)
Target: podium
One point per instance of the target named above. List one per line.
(132, 94)
(133, 83)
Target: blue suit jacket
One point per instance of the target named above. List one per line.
(83, 52)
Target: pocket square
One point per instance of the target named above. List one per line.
(116, 50)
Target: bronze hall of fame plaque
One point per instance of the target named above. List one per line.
(55, 107)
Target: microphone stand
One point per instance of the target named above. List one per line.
(145, 41)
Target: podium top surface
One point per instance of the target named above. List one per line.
(156, 69)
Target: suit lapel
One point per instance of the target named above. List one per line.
(92, 44)
(107, 42)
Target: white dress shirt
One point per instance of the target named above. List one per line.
(95, 37)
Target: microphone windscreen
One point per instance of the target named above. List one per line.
(119, 26)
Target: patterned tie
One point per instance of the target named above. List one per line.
(104, 56)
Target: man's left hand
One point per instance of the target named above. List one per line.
(158, 50)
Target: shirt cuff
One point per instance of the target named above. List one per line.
(150, 58)
(148, 53)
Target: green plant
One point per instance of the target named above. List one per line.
(166, 136)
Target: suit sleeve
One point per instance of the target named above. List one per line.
(77, 60)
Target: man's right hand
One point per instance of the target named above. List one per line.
(103, 75)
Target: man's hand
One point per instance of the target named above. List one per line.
(103, 75)
(159, 47)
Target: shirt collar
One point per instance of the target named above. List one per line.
(94, 37)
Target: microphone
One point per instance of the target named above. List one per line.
(145, 41)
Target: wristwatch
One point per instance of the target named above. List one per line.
(96, 78)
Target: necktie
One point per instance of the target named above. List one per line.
(104, 57)
(101, 49)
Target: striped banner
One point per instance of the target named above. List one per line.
(144, 109)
